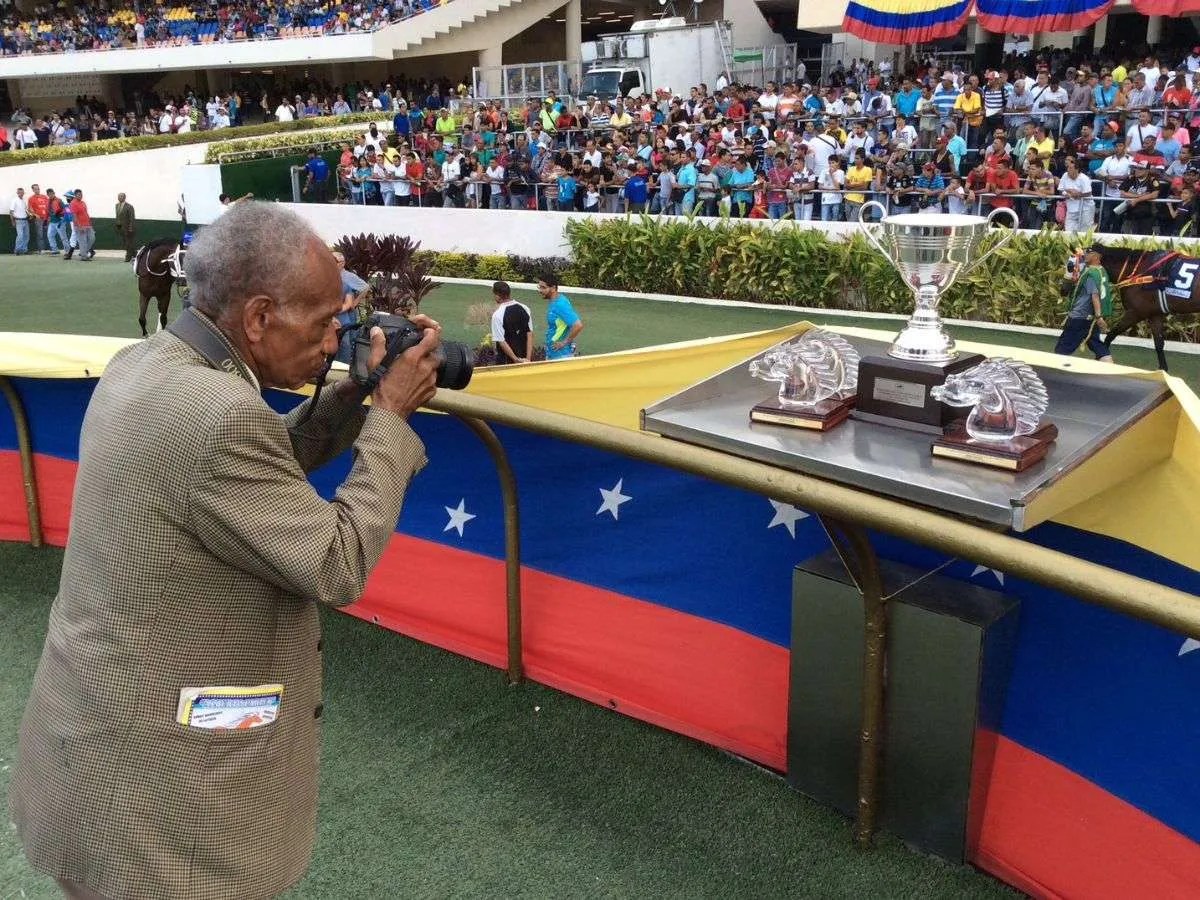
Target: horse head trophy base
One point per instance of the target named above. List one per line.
(1006, 427)
(817, 375)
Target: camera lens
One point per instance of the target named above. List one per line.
(457, 367)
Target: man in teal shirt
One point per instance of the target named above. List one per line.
(562, 322)
(1101, 148)
(686, 178)
(741, 179)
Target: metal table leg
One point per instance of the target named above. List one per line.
(25, 449)
(853, 545)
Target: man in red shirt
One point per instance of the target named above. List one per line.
(39, 212)
(85, 234)
(1149, 156)
(1002, 181)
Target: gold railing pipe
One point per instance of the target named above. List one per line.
(1118, 591)
(25, 451)
(512, 542)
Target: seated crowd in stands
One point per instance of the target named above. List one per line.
(55, 29)
(927, 140)
(1064, 140)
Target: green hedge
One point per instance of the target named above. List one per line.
(1018, 285)
(155, 141)
(499, 268)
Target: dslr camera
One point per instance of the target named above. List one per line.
(456, 363)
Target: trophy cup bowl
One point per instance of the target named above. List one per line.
(929, 252)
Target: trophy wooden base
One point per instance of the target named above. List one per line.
(820, 417)
(1016, 455)
(896, 391)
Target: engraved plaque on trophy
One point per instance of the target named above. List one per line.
(817, 375)
(1005, 428)
(930, 252)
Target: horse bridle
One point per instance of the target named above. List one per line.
(173, 262)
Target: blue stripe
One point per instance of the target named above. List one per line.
(1026, 11)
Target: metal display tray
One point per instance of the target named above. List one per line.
(1089, 411)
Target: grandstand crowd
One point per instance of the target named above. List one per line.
(1064, 140)
(103, 26)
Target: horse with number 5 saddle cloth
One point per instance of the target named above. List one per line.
(1152, 285)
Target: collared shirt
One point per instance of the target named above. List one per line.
(18, 209)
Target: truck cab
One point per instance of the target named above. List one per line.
(610, 82)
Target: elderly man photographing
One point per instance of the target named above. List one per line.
(170, 744)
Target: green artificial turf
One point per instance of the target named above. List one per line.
(100, 297)
(439, 780)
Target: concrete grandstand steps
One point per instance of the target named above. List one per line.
(462, 25)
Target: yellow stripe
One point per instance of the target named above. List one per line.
(906, 7)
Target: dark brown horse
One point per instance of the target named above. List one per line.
(157, 267)
(1152, 285)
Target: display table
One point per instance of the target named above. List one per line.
(1089, 412)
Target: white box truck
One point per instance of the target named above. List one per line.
(658, 53)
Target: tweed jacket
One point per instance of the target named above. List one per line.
(125, 218)
(197, 553)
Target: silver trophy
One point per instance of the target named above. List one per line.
(930, 252)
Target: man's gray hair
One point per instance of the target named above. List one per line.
(253, 248)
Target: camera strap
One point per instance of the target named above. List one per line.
(198, 331)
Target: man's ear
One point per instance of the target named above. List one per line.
(256, 314)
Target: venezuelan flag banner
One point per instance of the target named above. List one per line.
(905, 21)
(1032, 16)
(665, 596)
(1166, 7)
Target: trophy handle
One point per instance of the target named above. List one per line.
(869, 228)
(1007, 236)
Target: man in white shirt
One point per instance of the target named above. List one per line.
(18, 214)
(25, 137)
(166, 120)
(284, 112)
(904, 133)
(494, 178)
(1049, 100)
(1193, 62)
(821, 148)
(140, 30)
(221, 119)
(1113, 172)
(1077, 188)
(181, 123)
(452, 179)
(592, 154)
(512, 326)
(1143, 128)
(769, 101)
(859, 139)
(386, 173)
(403, 187)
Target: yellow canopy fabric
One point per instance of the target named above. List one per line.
(1143, 488)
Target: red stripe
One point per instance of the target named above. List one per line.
(897, 36)
(55, 482)
(684, 673)
(1053, 833)
(1017, 24)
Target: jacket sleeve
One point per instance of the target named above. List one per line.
(332, 428)
(251, 506)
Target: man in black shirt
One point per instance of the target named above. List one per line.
(512, 327)
(1140, 190)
